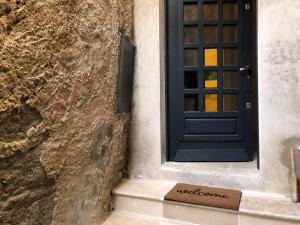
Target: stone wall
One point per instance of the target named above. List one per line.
(61, 141)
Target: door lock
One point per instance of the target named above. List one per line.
(248, 105)
(247, 6)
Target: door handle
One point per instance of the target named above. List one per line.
(245, 69)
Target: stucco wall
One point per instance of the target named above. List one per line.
(279, 88)
(279, 103)
(61, 142)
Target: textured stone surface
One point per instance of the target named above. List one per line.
(61, 142)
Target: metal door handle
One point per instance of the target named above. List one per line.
(245, 69)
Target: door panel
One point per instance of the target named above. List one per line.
(210, 126)
(209, 80)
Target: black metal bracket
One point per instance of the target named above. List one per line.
(126, 70)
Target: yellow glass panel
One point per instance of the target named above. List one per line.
(211, 57)
(211, 103)
(211, 79)
(211, 84)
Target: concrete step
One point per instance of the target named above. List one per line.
(145, 198)
(123, 218)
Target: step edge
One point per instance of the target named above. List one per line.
(144, 197)
(269, 215)
(147, 217)
(242, 211)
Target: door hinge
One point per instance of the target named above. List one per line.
(248, 105)
(247, 6)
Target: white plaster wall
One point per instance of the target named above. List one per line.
(279, 102)
(279, 88)
(145, 145)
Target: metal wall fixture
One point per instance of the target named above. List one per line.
(126, 69)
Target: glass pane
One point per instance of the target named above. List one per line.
(230, 11)
(210, 11)
(230, 102)
(229, 56)
(190, 12)
(190, 57)
(230, 79)
(190, 79)
(210, 57)
(191, 102)
(211, 79)
(230, 34)
(211, 103)
(210, 34)
(190, 35)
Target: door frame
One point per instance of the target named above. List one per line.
(169, 50)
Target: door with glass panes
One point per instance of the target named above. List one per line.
(209, 80)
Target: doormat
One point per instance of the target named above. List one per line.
(207, 196)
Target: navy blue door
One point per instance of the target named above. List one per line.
(209, 80)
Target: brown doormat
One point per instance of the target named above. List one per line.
(207, 196)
